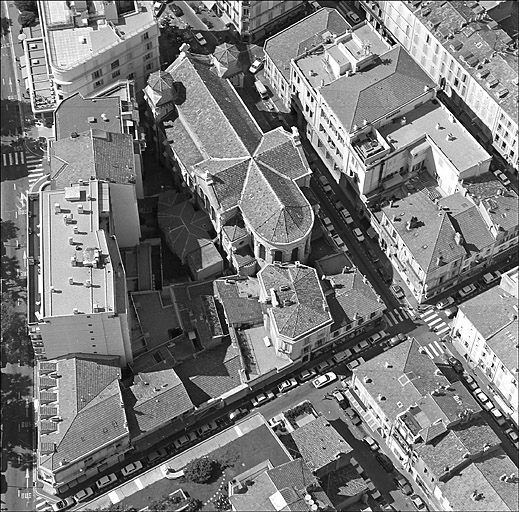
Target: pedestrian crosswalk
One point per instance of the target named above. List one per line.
(35, 168)
(41, 504)
(433, 349)
(395, 317)
(434, 322)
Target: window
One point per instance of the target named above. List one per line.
(145, 36)
(115, 64)
(131, 76)
(148, 56)
(99, 83)
(149, 46)
(149, 66)
(96, 74)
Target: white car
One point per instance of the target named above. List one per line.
(131, 468)
(377, 337)
(344, 354)
(200, 38)
(106, 480)
(64, 504)
(287, 385)
(502, 177)
(359, 347)
(466, 291)
(262, 398)
(491, 277)
(358, 235)
(346, 216)
(324, 380)
(327, 222)
(498, 416)
(481, 396)
(84, 494)
(238, 413)
(256, 66)
(373, 445)
(445, 303)
(338, 240)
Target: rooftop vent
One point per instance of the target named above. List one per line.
(284, 288)
(74, 135)
(91, 119)
(366, 379)
(381, 398)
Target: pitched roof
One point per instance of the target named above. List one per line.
(106, 155)
(305, 309)
(319, 443)
(393, 80)
(305, 34)
(89, 399)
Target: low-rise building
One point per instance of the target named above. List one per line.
(487, 339)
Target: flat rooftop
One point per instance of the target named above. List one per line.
(433, 121)
(69, 44)
(80, 263)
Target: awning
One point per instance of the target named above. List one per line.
(391, 182)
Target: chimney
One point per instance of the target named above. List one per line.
(409, 224)
(184, 48)
(458, 238)
(74, 135)
(438, 126)
(439, 260)
(295, 136)
(322, 82)
(450, 137)
(403, 121)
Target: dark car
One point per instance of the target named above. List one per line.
(456, 364)
(372, 255)
(385, 462)
(384, 274)
(176, 10)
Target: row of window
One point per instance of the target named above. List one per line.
(116, 63)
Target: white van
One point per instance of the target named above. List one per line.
(262, 90)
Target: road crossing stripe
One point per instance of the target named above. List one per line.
(22, 157)
(429, 315)
(10, 159)
(4, 158)
(435, 349)
(41, 505)
(16, 158)
(435, 321)
(443, 329)
(427, 351)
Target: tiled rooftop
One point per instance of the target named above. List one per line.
(95, 280)
(239, 309)
(88, 403)
(393, 80)
(306, 307)
(479, 40)
(479, 487)
(305, 34)
(319, 443)
(422, 123)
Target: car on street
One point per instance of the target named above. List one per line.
(326, 186)
(64, 504)
(379, 336)
(207, 428)
(395, 340)
(287, 385)
(353, 364)
(262, 398)
(84, 494)
(372, 255)
(238, 413)
(358, 235)
(466, 291)
(498, 416)
(106, 480)
(481, 396)
(327, 222)
(451, 312)
(444, 303)
(512, 435)
(324, 380)
(343, 355)
(340, 243)
(161, 453)
(397, 291)
(418, 502)
(200, 38)
(373, 445)
(256, 66)
(346, 216)
(184, 440)
(501, 176)
(354, 417)
(456, 364)
(491, 277)
(471, 383)
(176, 10)
(307, 375)
(359, 347)
(353, 17)
(403, 485)
(323, 366)
(132, 468)
(341, 399)
(384, 274)
(385, 462)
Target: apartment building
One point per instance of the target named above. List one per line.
(464, 50)
(488, 340)
(434, 427)
(90, 45)
(249, 183)
(82, 428)
(255, 19)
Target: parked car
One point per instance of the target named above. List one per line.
(512, 435)
(64, 504)
(84, 494)
(346, 216)
(418, 502)
(385, 462)
(184, 440)
(207, 428)
(359, 347)
(238, 413)
(372, 255)
(158, 8)
(262, 398)
(132, 468)
(444, 303)
(307, 375)
(338, 240)
(256, 66)
(395, 340)
(466, 291)
(176, 10)
(471, 383)
(404, 485)
(354, 417)
(343, 355)
(502, 177)
(341, 399)
(491, 277)
(451, 312)
(358, 235)
(456, 364)
(287, 385)
(200, 38)
(379, 336)
(106, 480)
(327, 222)
(324, 380)
(355, 363)
(373, 445)
(326, 186)
(498, 416)
(161, 453)
(353, 17)
(325, 365)
(384, 274)
(482, 397)
(397, 291)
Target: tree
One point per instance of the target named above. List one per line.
(5, 25)
(8, 228)
(200, 470)
(27, 19)
(118, 507)
(26, 5)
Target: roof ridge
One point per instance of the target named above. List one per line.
(436, 240)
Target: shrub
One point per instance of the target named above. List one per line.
(194, 505)
(200, 470)
(26, 5)
(27, 19)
